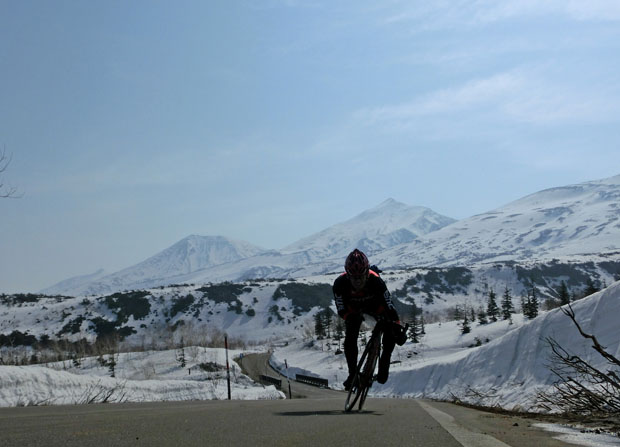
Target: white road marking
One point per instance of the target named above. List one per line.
(465, 437)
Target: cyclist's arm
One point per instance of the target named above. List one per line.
(341, 306)
(387, 299)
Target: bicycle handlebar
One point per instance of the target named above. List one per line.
(383, 319)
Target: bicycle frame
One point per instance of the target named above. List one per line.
(364, 375)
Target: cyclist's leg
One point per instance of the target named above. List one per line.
(384, 361)
(352, 329)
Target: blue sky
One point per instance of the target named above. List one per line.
(134, 124)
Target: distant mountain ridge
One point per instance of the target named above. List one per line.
(388, 224)
(190, 254)
(563, 222)
(198, 259)
(579, 223)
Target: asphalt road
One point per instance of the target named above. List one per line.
(298, 422)
(274, 423)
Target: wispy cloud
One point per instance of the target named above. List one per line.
(452, 12)
(519, 95)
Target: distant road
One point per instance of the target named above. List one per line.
(256, 364)
(319, 420)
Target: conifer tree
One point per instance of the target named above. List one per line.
(465, 328)
(531, 304)
(319, 327)
(328, 321)
(535, 304)
(590, 288)
(414, 325)
(112, 365)
(507, 306)
(492, 309)
(482, 316)
(339, 330)
(563, 294)
(181, 355)
(414, 329)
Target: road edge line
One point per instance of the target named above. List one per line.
(464, 436)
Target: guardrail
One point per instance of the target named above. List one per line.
(315, 381)
(271, 380)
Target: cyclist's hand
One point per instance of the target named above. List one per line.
(400, 334)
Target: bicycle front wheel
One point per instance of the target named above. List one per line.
(369, 369)
(358, 386)
(363, 377)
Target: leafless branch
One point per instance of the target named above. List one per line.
(580, 387)
(569, 312)
(6, 191)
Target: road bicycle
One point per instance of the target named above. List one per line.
(365, 371)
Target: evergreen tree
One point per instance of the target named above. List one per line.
(590, 288)
(507, 307)
(327, 317)
(472, 314)
(482, 316)
(531, 304)
(563, 294)
(181, 355)
(112, 365)
(492, 309)
(319, 327)
(414, 325)
(414, 329)
(465, 327)
(535, 304)
(339, 330)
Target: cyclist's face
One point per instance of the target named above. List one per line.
(358, 281)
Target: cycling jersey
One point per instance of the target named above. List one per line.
(373, 298)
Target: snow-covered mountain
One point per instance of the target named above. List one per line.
(191, 254)
(566, 222)
(388, 224)
(200, 259)
(577, 223)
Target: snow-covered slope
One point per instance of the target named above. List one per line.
(562, 222)
(139, 377)
(513, 368)
(388, 224)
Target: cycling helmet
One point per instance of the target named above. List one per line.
(356, 263)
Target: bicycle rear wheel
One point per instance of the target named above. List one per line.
(363, 377)
(369, 370)
(358, 385)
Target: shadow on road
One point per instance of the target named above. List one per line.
(327, 413)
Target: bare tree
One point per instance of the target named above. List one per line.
(580, 387)
(5, 191)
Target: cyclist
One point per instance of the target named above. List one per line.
(361, 290)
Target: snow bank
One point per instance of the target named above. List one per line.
(513, 368)
(140, 377)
